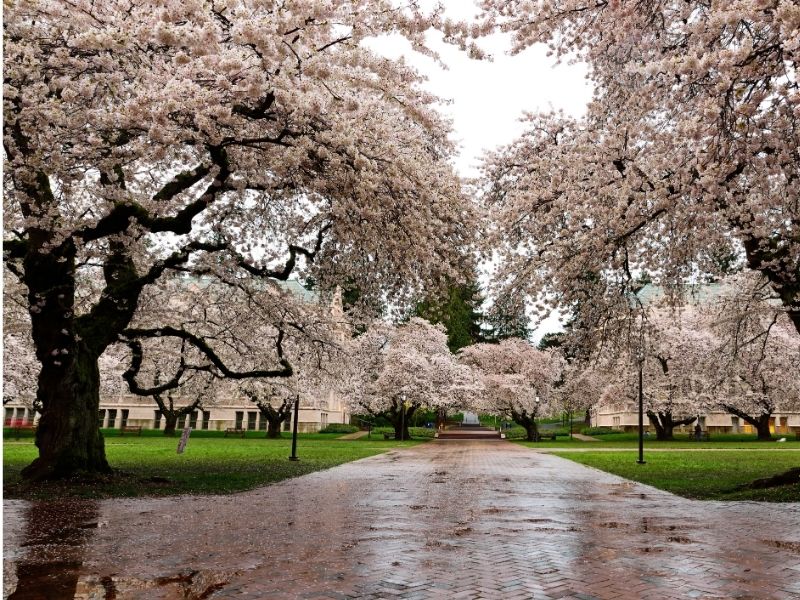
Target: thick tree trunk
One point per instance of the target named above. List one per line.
(665, 424)
(762, 427)
(400, 421)
(274, 428)
(170, 423)
(531, 431)
(662, 433)
(761, 422)
(68, 435)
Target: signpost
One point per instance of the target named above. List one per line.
(184, 439)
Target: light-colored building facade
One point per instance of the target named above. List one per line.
(624, 416)
(234, 412)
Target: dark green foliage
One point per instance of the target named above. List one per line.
(597, 431)
(459, 312)
(339, 428)
(414, 432)
(506, 320)
(552, 340)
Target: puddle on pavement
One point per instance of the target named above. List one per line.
(54, 538)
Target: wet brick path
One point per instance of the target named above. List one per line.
(442, 520)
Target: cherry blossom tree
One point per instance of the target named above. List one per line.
(274, 401)
(317, 363)
(697, 168)
(398, 370)
(579, 388)
(518, 380)
(758, 355)
(241, 141)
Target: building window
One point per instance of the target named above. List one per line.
(324, 420)
(262, 422)
(206, 418)
(251, 419)
(124, 421)
(287, 424)
(101, 416)
(193, 420)
(617, 422)
(182, 421)
(157, 420)
(735, 424)
(239, 419)
(112, 418)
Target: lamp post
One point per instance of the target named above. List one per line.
(294, 428)
(402, 417)
(640, 361)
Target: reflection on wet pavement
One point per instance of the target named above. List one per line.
(468, 519)
(51, 548)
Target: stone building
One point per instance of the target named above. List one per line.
(236, 411)
(624, 416)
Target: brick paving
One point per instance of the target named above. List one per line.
(451, 520)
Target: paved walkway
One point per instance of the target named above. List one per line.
(584, 438)
(440, 520)
(353, 436)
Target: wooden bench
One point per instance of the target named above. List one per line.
(544, 436)
(235, 431)
(137, 429)
(704, 437)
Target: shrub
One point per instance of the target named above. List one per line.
(339, 428)
(598, 430)
(414, 432)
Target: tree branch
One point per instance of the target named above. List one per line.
(200, 344)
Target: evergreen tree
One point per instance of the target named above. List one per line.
(459, 312)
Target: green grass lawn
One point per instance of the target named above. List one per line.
(707, 475)
(211, 464)
(681, 442)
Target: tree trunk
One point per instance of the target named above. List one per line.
(665, 424)
(761, 422)
(170, 423)
(400, 421)
(274, 428)
(531, 431)
(68, 435)
(663, 433)
(762, 426)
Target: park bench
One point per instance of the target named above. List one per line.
(703, 436)
(234, 431)
(137, 429)
(544, 436)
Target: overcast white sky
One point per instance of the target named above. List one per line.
(487, 99)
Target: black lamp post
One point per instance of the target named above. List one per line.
(640, 360)
(294, 428)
